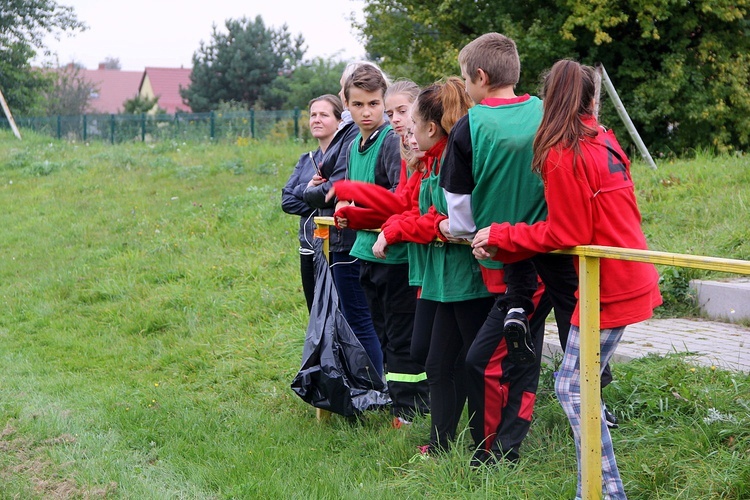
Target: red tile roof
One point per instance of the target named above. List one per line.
(166, 84)
(114, 88)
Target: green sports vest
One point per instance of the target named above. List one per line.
(451, 273)
(362, 168)
(417, 252)
(506, 190)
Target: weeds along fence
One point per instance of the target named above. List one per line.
(235, 126)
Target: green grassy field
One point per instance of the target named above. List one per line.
(153, 320)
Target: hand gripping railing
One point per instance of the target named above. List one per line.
(588, 288)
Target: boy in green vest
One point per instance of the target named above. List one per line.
(375, 157)
(487, 178)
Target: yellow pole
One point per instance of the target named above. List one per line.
(591, 432)
(323, 224)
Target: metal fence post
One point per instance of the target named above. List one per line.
(85, 126)
(112, 128)
(59, 127)
(252, 123)
(296, 122)
(143, 127)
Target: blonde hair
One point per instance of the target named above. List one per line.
(496, 55)
(403, 86)
(411, 91)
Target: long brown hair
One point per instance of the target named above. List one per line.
(568, 90)
(443, 103)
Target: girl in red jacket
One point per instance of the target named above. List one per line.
(591, 201)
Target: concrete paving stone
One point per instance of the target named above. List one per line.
(710, 343)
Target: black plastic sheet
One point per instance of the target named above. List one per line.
(336, 374)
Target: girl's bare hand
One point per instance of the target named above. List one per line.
(380, 247)
(481, 249)
(443, 226)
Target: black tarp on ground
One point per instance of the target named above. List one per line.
(336, 373)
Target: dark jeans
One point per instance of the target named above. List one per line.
(353, 304)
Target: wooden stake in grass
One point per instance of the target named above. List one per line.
(9, 116)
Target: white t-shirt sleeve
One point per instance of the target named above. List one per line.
(460, 216)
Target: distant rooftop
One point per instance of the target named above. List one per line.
(166, 83)
(114, 88)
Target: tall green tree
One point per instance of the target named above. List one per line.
(681, 67)
(23, 26)
(308, 80)
(239, 63)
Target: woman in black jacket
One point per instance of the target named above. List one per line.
(325, 116)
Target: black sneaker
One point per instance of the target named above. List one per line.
(484, 458)
(610, 419)
(518, 338)
(491, 458)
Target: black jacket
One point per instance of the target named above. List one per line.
(333, 167)
(292, 201)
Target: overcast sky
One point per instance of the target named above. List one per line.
(166, 33)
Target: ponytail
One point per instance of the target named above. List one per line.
(456, 102)
(443, 103)
(568, 91)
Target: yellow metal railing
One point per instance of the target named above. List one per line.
(589, 256)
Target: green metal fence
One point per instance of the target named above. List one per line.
(214, 126)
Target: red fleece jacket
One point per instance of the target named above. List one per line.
(591, 201)
(373, 204)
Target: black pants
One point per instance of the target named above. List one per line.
(307, 271)
(392, 303)
(501, 394)
(521, 282)
(454, 328)
(424, 317)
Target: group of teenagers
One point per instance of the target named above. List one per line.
(470, 187)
